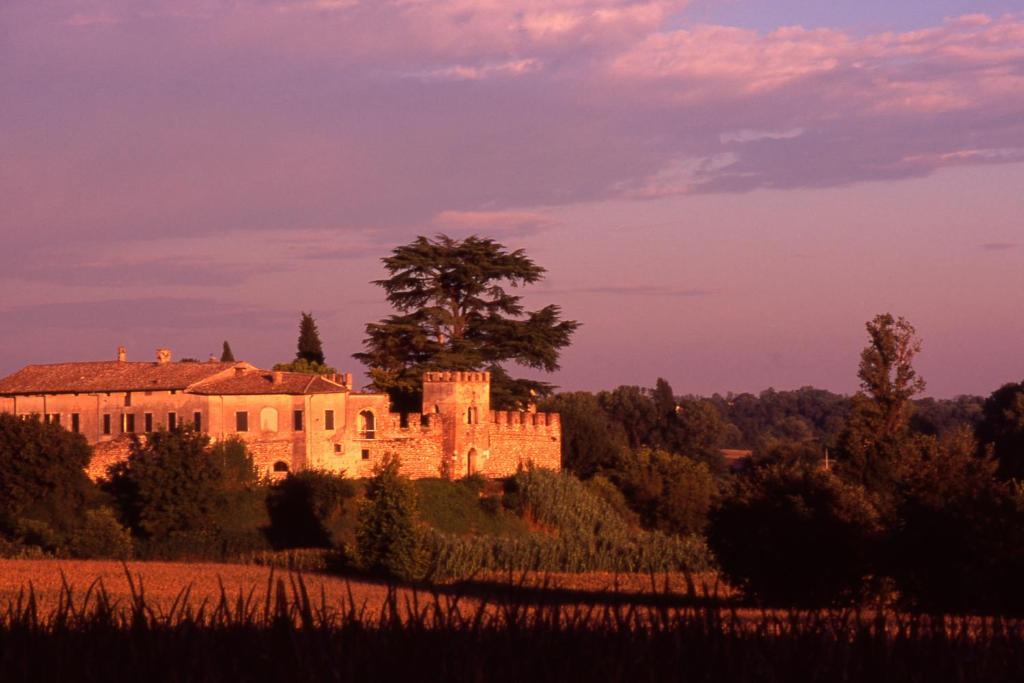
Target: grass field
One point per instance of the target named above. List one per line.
(555, 628)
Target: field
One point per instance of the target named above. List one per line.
(240, 624)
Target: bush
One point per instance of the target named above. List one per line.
(100, 536)
(796, 535)
(387, 541)
(671, 493)
(459, 507)
(307, 508)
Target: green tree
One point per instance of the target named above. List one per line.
(386, 538)
(309, 348)
(796, 536)
(307, 508)
(454, 313)
(226, 355)
(590, 441)
(42, 477)
(876, 447)
(1002, 428)
(671, 493)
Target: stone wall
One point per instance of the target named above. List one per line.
(519, 439)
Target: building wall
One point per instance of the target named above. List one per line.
(521, 439)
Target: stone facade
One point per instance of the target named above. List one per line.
(289, 421)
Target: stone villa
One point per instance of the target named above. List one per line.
(289, 420)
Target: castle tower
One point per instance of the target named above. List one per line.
(462, 403)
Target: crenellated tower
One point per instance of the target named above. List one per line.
(462, 402)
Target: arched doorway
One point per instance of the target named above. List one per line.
(471, 463)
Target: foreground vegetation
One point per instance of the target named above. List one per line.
(293, 632)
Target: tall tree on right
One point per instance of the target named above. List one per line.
(876, 446)
(1002, 429)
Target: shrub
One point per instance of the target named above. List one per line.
(386, 537)
(100, 536)
(796, 536)
(306, 509)
(670, 492)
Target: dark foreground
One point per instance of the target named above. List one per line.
(292, 635)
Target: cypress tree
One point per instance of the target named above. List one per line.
(310, 348)
(226, 356)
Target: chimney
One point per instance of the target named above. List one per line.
(348, 380)
(239, 371)
(277, 377)
(122, 354)
(163, 356)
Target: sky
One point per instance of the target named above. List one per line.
(722, 192)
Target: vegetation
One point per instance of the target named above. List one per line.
(309, 356)
(454, 313)
(226, 354)
(386, 538)
(308, 509)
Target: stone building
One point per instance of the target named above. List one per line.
(289, 420)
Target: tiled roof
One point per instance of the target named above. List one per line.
(255, 381)
(101, 376)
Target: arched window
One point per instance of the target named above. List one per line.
(280, 466)
(268, 420)
(367, 428)
(471, 463)
(471, 416)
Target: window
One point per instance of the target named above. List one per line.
(471, 416)
(147, 419)
(328, 419)
(53, 418)
(197, 421)
(106, 423)
(129, 423)
(241, 421)
(297, 420)
(74, 422)
(366, 425)
(337, 448)
(366, 454)
(403, 420)
(172, 421)
(280, 466)
(128, 399)
(268, 419)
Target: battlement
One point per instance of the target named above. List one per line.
(526, 420)
(456, 376)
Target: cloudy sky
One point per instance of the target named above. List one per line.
(722, 191)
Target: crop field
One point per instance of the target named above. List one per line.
(89, 621)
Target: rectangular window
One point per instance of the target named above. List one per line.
(297, 424)
(172, 421)
(53, 418)
(241, 421)
(328, 419)
(337, 448)
(148, 420)
(366, 454)
(197, 421)
(106, 423)
(128, 399)
(74, 422)
(129, 423)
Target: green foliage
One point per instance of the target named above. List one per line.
(1002, 427)
(454, 314)
(457, 507)
(887, 372)
(42, 478)
(306, 367)
(591, 440)
(183, 499)
(307, 509)
(578, 531)
(796, 536)
(959, 546)
(387, 541)
(670, 492)
(310, 348)
(100, 536)
(226, 354)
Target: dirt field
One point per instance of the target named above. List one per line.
(163, 582)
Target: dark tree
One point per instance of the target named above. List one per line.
(42, 477)
(454, 313)
(796, 536)
(672, 493)
(386, 537)
(310, 349)
(591, 442)
(226, 356)
(307, 509)
(1002, 427)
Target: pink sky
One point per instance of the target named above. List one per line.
(723, 191)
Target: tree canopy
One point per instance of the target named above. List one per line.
(309, 357)
(226, 354)
(454, 313)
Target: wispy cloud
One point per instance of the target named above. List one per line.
(999, 246)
